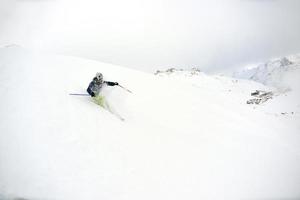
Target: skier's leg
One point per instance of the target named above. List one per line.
(99, 100)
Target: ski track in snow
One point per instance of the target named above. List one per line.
(182, 138)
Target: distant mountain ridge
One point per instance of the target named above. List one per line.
(171, 71)
(281, 73)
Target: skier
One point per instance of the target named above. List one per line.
(97, 83)
(95, 87)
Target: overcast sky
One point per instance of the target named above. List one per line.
(156, 34)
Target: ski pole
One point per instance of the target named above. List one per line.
(124, 88)
(76, 94)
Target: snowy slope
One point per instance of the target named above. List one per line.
(184, 137)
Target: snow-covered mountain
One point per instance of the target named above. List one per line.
(282, 73)
(185, 135)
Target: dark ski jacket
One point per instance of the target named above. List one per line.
(96, 85)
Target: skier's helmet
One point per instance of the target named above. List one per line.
(99, 76)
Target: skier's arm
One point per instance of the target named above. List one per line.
(109, 83)
(90, 92)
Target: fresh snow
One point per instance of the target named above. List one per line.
(185, 135)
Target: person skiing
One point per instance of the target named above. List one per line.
(97, 83)
(95, 87)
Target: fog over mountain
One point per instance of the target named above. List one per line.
(158, 34)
